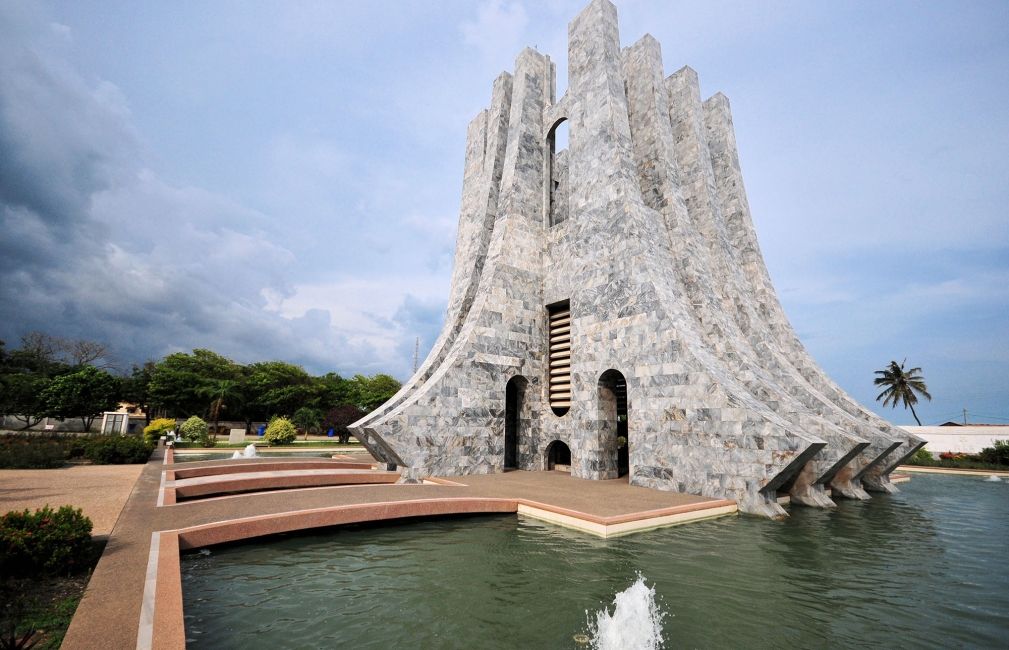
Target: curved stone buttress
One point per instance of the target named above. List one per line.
(896, 444)
(640, 227)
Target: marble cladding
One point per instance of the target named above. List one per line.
(642, 224)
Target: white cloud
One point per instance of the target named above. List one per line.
(363, 310)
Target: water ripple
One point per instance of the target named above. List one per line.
(923, 568)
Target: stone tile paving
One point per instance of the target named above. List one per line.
(99, 490)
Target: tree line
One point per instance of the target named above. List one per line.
(52, 377)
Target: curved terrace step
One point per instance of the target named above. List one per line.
(253, 481)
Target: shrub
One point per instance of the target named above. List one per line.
(46, 541)
(117, 450)
(77, 446)
(196, 430)
(158, 428)
(280, 431)
(340, 417)
(998, 455)
(922, 457)
(27, 451)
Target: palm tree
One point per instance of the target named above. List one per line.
(307, 418)
(220, 390)
(901, 386)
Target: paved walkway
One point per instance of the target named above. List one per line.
(134, 597)
(99, 490)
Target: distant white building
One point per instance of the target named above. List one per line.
(960, 438)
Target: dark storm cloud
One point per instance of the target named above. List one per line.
(61, 141)
(95, 245)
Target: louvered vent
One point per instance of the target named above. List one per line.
(560, 357)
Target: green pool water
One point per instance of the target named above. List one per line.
(925, 568)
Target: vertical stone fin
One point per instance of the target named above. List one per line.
(879, 458)
(728, 319)
(600, 138)
(485, 151)
(522, 176)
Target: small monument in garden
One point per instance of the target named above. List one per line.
(610, 311)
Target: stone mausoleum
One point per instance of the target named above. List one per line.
(610, 311)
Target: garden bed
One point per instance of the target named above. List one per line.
(43, 605)
(46, 560)
(991, 458)
(53, 450)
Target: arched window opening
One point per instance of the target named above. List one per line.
(558, 456)
(515, 392)
(613, 418)
(557, 173)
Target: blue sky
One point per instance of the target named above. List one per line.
(280, 180)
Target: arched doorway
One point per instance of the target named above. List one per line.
(515, 392)
(558, 456)
(613, 419)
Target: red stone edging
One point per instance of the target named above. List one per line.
(237, 467)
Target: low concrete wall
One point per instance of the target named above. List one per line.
(73, 425)
(968, 439)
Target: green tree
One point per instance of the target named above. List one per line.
(369, 393)
(330, 390)
(180, 383)
(226, 393)
(24, 374)
(21, 397)
(278, 387)
(84, 393)
(902, 386)
(137, 388)
(307, 418)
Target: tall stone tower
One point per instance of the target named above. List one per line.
(610, 310)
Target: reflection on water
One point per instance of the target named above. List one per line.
(923, 568)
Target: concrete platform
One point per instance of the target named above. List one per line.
(134, 598)
(950, 471)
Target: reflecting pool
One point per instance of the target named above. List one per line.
(923, 568)
(182, 457)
